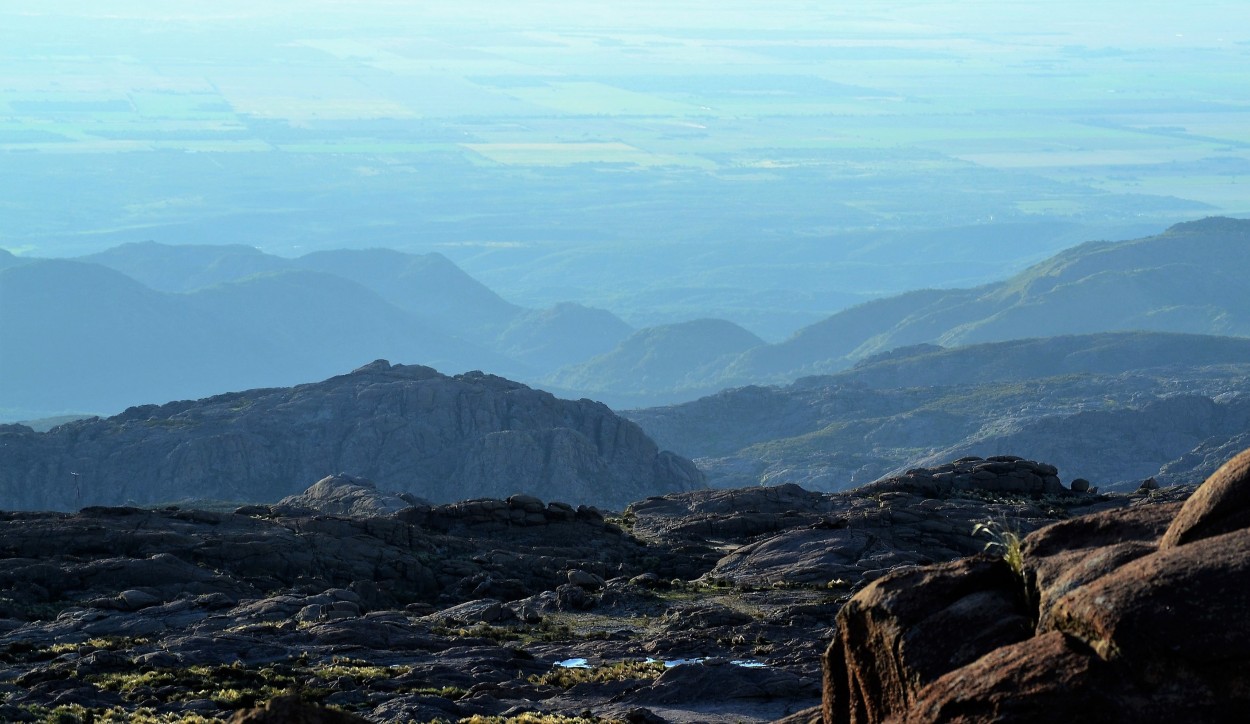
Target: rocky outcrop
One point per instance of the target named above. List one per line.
(409, 428)
(1007, 474)
(1126, 615)
(349, 496)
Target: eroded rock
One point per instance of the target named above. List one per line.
(1134, 614)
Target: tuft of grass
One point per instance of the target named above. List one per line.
(621, 671)
(227, 686)
(359, 672)
(447, 692)
(1004, 543)
(79, 714)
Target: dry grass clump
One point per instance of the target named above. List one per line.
(566, 678)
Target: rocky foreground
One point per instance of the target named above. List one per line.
(704, 606)
(1129, 615)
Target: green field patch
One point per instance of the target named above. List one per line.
(18, 136)
(309, 108)
(589, 98)
(364, 147)
(60, 106)
(182, 106)
(1052, 206)
(563, 154)
(1094, 157)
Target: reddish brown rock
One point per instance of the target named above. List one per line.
(1047, 678)
(1139, 618)
(1062, 557)
(1220, 505)
(911, 627)
(1175, 619)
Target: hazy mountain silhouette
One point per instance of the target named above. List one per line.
(681, 357)
(8, 259)
(1187, 279)
(79, 336)
(565, 334)
(424, 309)
(89, 335)
(429, 286)
(186, 267)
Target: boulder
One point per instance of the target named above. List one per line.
(1175, 618)
(1043, 679)
(585, 579)
(1136, 614)
(1003, 474)
(911, 627)
(348, 495)
(1221, 505)
(1066, 555)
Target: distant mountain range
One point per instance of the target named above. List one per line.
(148, 322)
(1188, 279)
(661, 361)
(82, 337)
(406, 427)
(1114, 408)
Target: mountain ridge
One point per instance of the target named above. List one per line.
(407, 427)
(1182, 280)
(1042, 398)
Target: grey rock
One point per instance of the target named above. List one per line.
(471, 612)
(585, 580)
(133, 600)
(348, 495)
(408, 428)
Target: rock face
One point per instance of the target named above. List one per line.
(1135, 614)
(408, 428)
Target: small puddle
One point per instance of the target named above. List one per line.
(668, 663)
(675, 662)
(573, 664)
(744, 663)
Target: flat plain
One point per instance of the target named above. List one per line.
(543, 149)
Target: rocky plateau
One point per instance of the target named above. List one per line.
(697, 606)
